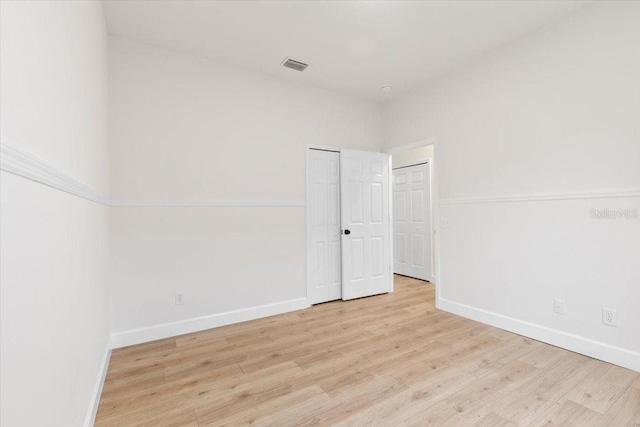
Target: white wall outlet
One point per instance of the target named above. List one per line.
(445, 223)
(609, 317)
(558, 306)
(179, 298)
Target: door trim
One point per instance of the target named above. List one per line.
(435, 209)
(432, 242)
(408, 165)
(391, 207)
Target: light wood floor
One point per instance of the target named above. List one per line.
(389, 360)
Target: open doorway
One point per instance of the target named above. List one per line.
(414, 242)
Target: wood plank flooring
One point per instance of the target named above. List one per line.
(388, 360)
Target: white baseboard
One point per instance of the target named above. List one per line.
(141, 335)
(166, 330)
(598, 350)
(90, 418)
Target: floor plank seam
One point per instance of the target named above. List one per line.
(392, 356)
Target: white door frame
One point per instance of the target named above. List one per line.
(431, 230)
(435, 217)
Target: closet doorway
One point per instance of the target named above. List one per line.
(412, 221)
(349, 225)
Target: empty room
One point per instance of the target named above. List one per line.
(331, 213)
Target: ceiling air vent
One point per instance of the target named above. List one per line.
(294, 64)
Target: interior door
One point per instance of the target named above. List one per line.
(366, 224)
(412, 221)
(323, 229)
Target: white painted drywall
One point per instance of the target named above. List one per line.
(554, 112)
(187, 128)
(54, 246)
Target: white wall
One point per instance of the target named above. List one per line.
(555, 112)
(54, 246)
(187, 128)
(412, 156)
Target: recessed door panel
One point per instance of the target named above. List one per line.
(377, 256)
(320, 210)
(356, 202)
(323, 267)
(417, 206)
(417, 250)
(376, 203)
(334, 201)
(400, 204)
(334, 257)
(376, 167)
(356, 247)
(401, 248)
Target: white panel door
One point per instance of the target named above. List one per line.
(366, 224)
(412, 221)
(323, 229)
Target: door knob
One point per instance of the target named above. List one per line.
(347, 232)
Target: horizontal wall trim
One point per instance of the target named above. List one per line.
(613, 194)
(167, 330)
(22, 164)
(598, 350)
(206, 204)
(15, 161)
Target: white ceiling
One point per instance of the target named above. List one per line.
(354, 47)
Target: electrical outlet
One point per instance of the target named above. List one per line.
(609, 317)
(179, 298)
(558, 306)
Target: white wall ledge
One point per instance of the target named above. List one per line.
(609, 194)
(18, 162)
